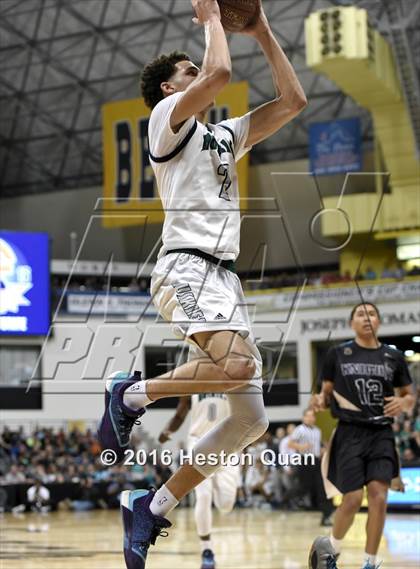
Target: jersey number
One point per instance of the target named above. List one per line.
(370, 391)
(223, 171)
(211, 412)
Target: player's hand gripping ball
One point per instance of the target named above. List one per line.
(237, 14)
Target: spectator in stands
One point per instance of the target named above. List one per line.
(387, 273)
(278, 437)
(406, 436)
(133, 285)
(370, 274)
(88, 496)
(38, 497)
(14, 476)
(144, 285)
(414, 271)
(408, 457)
(257, 481)
(115, 488)
(315, 279)
(400, 271)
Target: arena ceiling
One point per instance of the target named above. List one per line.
(60, 60)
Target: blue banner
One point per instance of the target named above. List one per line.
(411, 496)
(335, 147)
(24, 283)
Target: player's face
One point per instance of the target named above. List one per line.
(186, 73)
(365, 322)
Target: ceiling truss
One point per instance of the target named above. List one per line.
(61, 60)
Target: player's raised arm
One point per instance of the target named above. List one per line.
(290, 101)
(216, 68)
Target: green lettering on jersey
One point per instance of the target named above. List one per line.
(210, 143)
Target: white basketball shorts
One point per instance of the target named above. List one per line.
(195, 295)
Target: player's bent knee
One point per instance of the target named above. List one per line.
(352, 503)
(377, 495)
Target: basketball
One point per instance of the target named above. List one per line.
(237, 14)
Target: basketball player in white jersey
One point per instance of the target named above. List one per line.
(207, 410)
(194, 285)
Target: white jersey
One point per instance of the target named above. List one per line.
(207, 410)
(195, 170)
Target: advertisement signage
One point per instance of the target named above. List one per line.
(335, 147)
(24, 283)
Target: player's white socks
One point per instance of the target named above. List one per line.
(336, 543)
(371, 559)
(135, 395)
(163, 502)
(206, 544)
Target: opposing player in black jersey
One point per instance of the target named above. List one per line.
(366, 384)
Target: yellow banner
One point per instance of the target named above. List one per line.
(130, 192)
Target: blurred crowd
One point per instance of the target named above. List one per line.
(71, 458)
(46, 458)
(271, 280)
(407, 439)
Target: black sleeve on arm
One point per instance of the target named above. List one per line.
(328, 369)
(402, 375)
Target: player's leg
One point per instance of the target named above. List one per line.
(325, 551)
(347, 472)
(344, 515)
(248, 421)
(203, 508)
(225, 488)
(382, 465)
(143, 512)
(221, 487)
(232, 359)
(377, 492)
(203, 520)
(228, 365)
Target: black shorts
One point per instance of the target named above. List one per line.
(360, 454)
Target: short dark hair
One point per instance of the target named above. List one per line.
(364, 304)
(156, 72)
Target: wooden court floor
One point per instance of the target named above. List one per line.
(246, 539)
